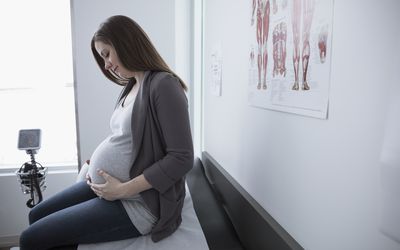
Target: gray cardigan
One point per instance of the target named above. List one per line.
(162, 148)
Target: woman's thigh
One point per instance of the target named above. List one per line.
(92, 221)
(75, 194)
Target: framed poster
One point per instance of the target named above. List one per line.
(290, 55)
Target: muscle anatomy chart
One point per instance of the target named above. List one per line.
(296, 79)
(261, 8)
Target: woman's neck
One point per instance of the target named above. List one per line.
(139, 76)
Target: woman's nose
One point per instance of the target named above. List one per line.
(107, 65)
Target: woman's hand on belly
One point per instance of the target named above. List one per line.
(111, 190)
(114, 189)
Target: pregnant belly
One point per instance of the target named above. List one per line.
(111, 160)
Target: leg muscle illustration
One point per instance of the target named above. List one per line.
(308, 11)
(296, 15)
(262, 10)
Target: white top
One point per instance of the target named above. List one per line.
(114, 156)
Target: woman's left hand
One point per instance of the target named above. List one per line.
(111, 190)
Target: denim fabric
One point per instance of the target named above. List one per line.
(73, 216)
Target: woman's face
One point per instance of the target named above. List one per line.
(111, 60)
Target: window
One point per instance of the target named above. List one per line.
(36, 81)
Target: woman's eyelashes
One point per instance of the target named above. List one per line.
(105, 54)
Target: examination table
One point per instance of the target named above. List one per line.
(218, 214)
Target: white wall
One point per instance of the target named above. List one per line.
(320, 179)
(390, 161)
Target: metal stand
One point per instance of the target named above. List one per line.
(31, 178)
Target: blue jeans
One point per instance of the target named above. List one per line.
(74, 216)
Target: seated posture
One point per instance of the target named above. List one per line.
(136, 179)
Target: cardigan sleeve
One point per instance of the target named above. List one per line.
(171, 107)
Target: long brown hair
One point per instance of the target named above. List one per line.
(133, 47)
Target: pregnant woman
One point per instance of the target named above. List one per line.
(136, 179)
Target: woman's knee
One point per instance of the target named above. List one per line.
(28, 240)
(41, 210)
(35, 214)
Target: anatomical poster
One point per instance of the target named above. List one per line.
(290, 55)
